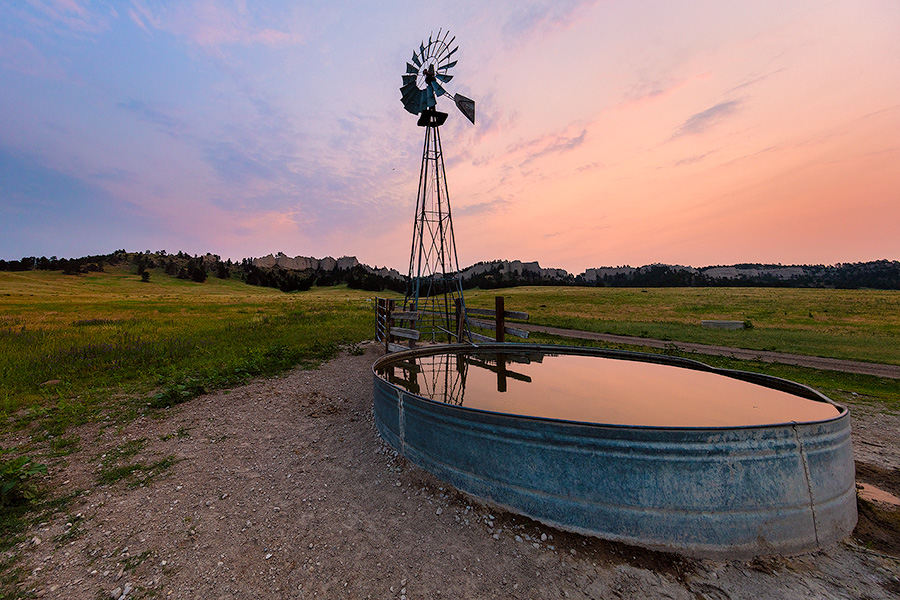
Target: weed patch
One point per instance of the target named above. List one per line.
(136, 474)
(10, 575)
(116, 465)
(133, 562)
(18, 480)
(183, 432)
(258, 363)
(64, 445)
(91, 322)
(177, 392)
(72, 529)
(14, 520)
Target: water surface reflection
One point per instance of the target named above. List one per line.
(599, 390)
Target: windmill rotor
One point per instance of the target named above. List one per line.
(427, 71)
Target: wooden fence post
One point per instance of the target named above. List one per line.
(500, 333)
(379, 319)
(388, 323)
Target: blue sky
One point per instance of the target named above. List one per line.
(607, 132)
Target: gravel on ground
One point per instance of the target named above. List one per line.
(283, 489)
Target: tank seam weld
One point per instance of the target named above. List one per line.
(402, 423)
(812, 506)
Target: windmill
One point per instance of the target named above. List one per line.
(434, 288)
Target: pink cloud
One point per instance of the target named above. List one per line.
(212, 25)
(539, 19)
(74, 15)
(20, 55)
(554, 143)
(143, 16)
(704, 120)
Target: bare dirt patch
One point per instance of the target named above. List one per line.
(283, 489)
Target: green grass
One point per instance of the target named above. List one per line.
(70, 344)
(849, 324)
(136, 474)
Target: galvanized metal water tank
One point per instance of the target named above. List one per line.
(719, 492)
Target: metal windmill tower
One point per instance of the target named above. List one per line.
(434, 287)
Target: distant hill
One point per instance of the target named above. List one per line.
(300, 272)
(880, 274)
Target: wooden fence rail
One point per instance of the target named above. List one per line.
(387, 330)
(393, 327)
(498, 325)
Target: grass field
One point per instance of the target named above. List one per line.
(68, 344)
(850, 324)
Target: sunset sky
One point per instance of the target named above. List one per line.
(608, 133)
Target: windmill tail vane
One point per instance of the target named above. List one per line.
(466, 106)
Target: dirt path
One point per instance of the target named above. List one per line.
(815, 362)
(283, 489)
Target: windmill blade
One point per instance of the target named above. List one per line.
(412, 107)
(443, 77)
(411, 69)
(449, 54)
(407, 91)
(422, 51)
(440, 91)
(415, 59)
(466, 106)
(409, 79)
(410, 95)
(447, 66)
(411, 98)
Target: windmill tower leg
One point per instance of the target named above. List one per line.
(434, 283)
